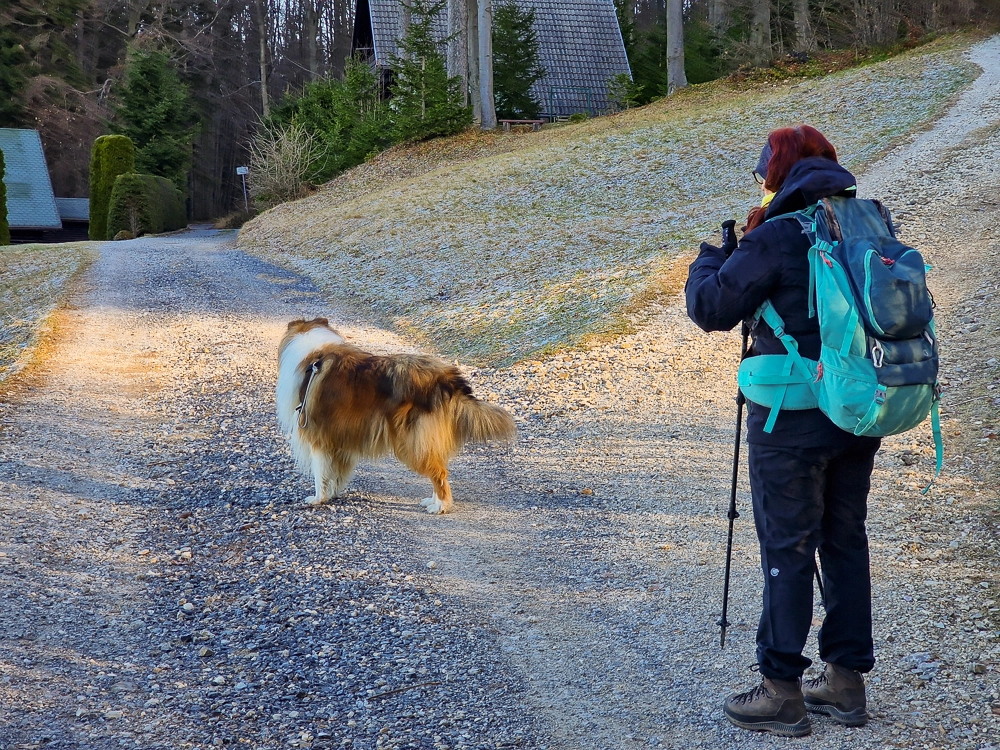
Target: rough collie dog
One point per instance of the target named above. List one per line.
(337, 404)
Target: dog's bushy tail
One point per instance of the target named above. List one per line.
(480, 422)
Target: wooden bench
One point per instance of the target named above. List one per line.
(535, 124)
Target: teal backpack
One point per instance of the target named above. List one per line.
(878, 365)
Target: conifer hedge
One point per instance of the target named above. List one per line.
(4, 226)
(144, 204)
(111, 156)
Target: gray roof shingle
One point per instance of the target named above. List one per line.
(30, 202)
(73, 209)
(580, 46)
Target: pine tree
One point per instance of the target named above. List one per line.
(12, 79)
(35, 40)
(425, 101)
(516, 66)
(154, 111)
(347, 117)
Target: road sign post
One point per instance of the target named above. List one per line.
(242, 172)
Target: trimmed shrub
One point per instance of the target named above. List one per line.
(4, 226)
(111, 156)
(144, 204)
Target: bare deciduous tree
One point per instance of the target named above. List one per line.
(676, 78)
(805, 39)
(760, 31)
(281, 160)
(458, 42)
(488, 115)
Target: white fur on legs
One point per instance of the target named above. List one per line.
(322, 470)
(330, 474)
(432, 504)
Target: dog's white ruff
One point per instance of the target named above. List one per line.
(287, 392)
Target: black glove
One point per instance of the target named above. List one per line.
(708, 246)
(729, 241)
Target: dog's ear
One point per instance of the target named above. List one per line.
(294, 324)
(323, 321)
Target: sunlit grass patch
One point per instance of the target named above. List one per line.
(540, 241)
(33, 280)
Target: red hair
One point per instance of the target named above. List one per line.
(789, 146)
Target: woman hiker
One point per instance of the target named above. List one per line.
(809, 479)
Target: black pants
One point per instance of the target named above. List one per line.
(804, 500)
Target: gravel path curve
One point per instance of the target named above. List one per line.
(164, 587)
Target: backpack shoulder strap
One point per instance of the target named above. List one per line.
(886, 216)
(769, 315)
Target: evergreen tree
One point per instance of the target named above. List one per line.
(347, 117)
(702, 60)
(35, 39)
(12, 79)
(516, 66)
(625, 10)
(154, 111)
(425, 101)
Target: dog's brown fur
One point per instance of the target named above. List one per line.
(358, 405)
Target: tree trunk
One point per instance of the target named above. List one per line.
(310, 30)
(805, 40)
(676, 78)
(404, 25)
(489, 115)
(718, 16)
(341, 45)
(134, 15)
(458, 43)
(472, 35)
(760, 31)
(262, 35)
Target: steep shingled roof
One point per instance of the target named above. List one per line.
(73, 209)
(580, 46)
(30, 202)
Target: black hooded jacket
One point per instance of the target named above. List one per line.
(771, 262)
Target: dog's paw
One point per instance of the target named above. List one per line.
(315, 501)
(432, 504)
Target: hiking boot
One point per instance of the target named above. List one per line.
(774, 706)
(839, 693)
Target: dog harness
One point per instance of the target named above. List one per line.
(311, 371)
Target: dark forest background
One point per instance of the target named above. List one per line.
(64, 63)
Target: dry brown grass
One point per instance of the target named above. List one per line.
(496, 246)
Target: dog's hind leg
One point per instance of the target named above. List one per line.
(437, 472)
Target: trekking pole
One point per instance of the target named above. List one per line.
(733, 514)
(729, 240)
(819, 583)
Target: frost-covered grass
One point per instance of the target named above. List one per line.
(33, 280)
(569, 231)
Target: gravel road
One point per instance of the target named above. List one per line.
(164, 586)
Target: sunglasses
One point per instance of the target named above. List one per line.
(757, 177)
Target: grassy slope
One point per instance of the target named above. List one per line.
(499, 247)
(33, 280)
